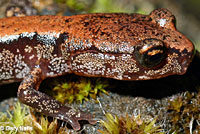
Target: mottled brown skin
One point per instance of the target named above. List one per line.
(119, 46)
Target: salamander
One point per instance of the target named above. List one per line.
(113, 45)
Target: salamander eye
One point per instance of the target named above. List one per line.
(150, 52)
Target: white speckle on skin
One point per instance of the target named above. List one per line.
(58, 65)
(143, 77)
(123, 47)
(13, 65)
(162, 22)
(37, 66)
(78, 115)
(44, 51)
(105, 65)
(28, 49)
(28, 35)
(48, 38)
(60, 116)
(31, 57)
(22, 68)
(9, 38)
(25, 92)
(50, 74)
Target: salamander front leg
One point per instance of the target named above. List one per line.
(28, 94)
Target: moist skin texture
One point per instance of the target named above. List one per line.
(120, 46)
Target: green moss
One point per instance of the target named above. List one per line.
(79, 90)
(197, 46)
(184, 113)
(20, 117)
(95, 6)
(76, 5)
(44, 126)
(14, 120)
(19, 114)
(107, 6)
(128, 125)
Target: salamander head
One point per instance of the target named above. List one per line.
(167, 53)
(157, 59)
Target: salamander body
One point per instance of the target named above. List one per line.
(120, 46)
